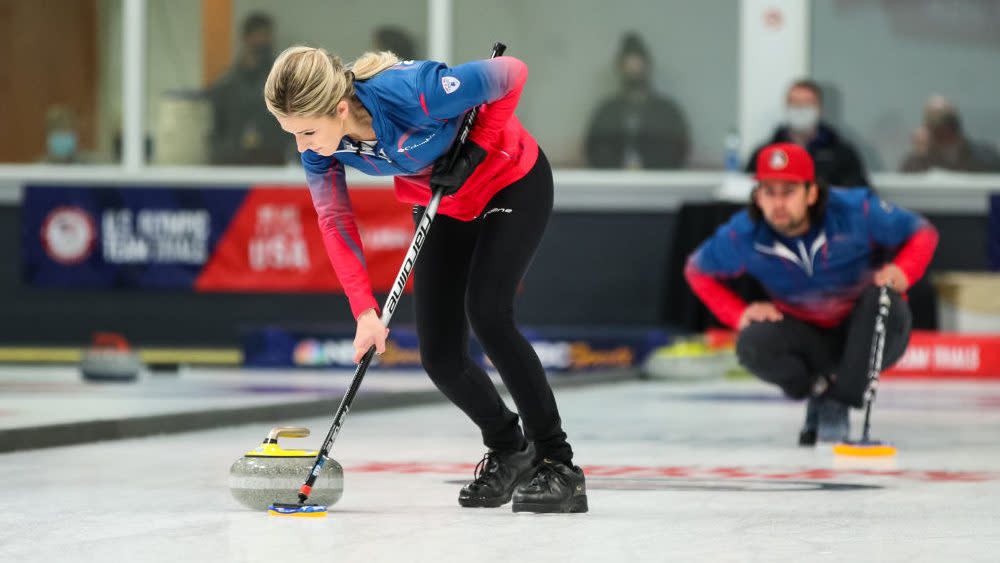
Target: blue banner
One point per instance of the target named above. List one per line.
(559, 349)
(124, 237)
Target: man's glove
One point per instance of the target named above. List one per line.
(470, 155)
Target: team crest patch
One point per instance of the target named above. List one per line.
(450, 84)
(779, 160)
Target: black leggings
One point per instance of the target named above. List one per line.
(468, 273)
(791, 353)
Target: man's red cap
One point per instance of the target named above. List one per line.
(785, 161)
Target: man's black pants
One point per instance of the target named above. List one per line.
(791, 353)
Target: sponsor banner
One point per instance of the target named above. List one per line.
(950, 355)
(310, 347)
(591, 348)
(261, 239)
(930, 354)
(560, 350)
(274, 243)
(121, 237)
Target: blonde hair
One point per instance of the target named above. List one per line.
(305, 81)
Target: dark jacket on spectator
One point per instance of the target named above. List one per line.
(836, 160)
(969, 156)
(655, 131)
(243, 132)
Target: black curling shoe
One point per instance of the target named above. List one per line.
(554, 487)
(807, 436)
(496, 477)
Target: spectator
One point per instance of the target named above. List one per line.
(941, 143)
(243, 131)
(837, 161)
(62, 143)
(395, 39)
(637, 127)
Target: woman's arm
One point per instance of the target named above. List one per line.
(328, 188)
(448, 92)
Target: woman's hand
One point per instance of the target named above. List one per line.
(470, 155)
(370, 331)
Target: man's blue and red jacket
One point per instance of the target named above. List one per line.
(816, 277)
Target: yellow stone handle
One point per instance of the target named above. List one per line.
(287, 432)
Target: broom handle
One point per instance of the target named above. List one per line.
(875, 362)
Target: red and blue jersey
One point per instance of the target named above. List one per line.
(417, 108)
(819, 276)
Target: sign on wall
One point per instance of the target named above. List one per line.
(560, 349)
(263, 238)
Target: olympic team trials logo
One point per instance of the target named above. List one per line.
(68, 235)
(779, 160)
(450, 84)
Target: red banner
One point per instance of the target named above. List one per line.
(950, 355)
(274, 244)
(930, 354)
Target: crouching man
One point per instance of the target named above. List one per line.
(820, 253)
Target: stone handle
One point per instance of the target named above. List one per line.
(287, 432)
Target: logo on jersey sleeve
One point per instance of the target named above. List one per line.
(450, 84)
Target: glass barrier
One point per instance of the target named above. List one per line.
(207, 64)
(60, 92)
(615, 84)
(911, 85)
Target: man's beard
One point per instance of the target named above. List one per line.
(793, 228)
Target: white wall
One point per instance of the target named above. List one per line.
(774, 52)
(173, 55)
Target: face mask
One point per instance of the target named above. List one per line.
(636, 81)
(802, 118)
(62, 144)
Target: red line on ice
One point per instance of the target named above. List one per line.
(735, 473)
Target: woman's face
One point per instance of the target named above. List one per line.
(321, 134)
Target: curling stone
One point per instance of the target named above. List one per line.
(689, 360)
(110, 360)
(270, 473)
